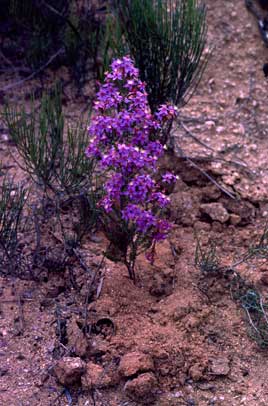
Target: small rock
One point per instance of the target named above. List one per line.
(235, 219)
(206, 386)
(220, 366)
(240, 130)
(264, 279)
(210, 193)
(98, 347)
(210, 124)
(245, 210)
(69, 370)
(196, 372)
(42, 378)
(184, 207)
(76, 339)
(192, 321)
(153, 309)
(264, 268)
(180, 312)
(202, 226)
(97, 377)
(3, 371)
(161, 284)
(215, 211)
(216, 227)
(92, 378)
(142, 388)
(55, 287)
(135, 362)
(231, 179)
(264, 209)
(220, 130)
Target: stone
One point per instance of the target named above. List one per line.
(184, 207)
(92, 377)
(99, 346)
(192, 321)
(263, 268)
(134, 362)
(240, 130)
(264, 279)
(210, 124)
(69, 370)
(216, 227)
(196, 372)
(98, 377)
(210, 193)
(215, 211)
(231, 179)
(202, 226)
(143, 388)
(55, 287)
(180, 312)
(220, 366)
(235, 219)
(220, 130)
(244, 209)
(76, 339)
(162, 283)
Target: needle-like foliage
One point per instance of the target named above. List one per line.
(206, 260)
(166, 38)
(38, 136)
(55, 161)
(12, 200)
(242, 291)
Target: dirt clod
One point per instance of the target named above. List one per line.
(215, 211)
(220, 366)
(161, 284)
(98, 377)
(184, 207)
(196, 372)
(264, 279)
(93, 375)
(235, 219)
(69, 370)
(142, 388)
(76, 339)
(135, 362)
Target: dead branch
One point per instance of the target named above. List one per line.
(33, 74)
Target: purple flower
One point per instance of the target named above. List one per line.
(143, 219)
(168, 178)
(113, 187)
(139, 188)
(162, 229)
(166, 112)
(124, 137)
(161, 199)
(107, 204)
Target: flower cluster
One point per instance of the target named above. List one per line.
(126, 139)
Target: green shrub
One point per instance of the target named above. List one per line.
(56, 162)
(166, 38)
(245, 293)
(53, 154)
(12, 201)
(66, 32)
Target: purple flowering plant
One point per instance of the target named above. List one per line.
(125, 139)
